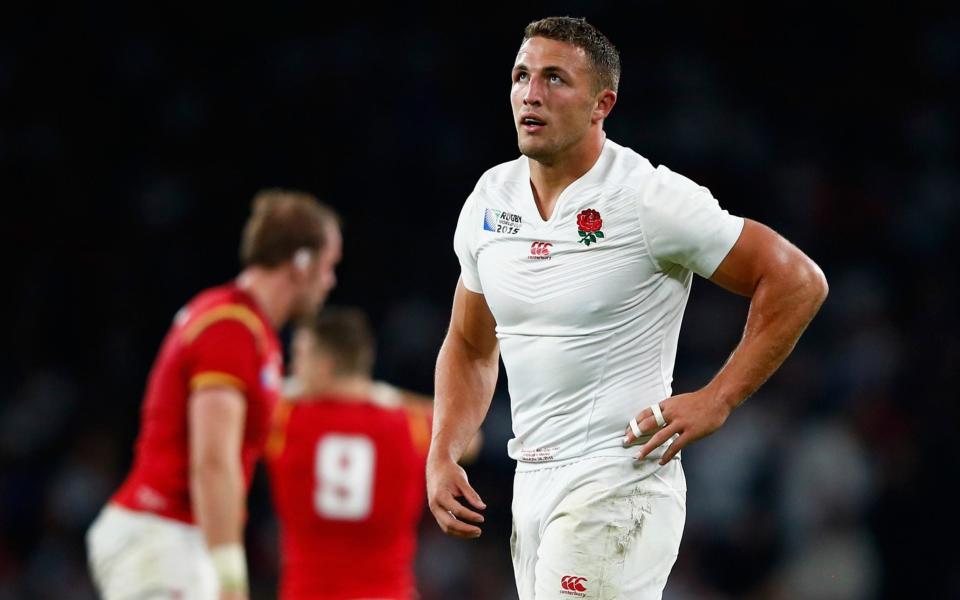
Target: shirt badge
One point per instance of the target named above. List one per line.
(500, 221)
(540, 251)
(588, 226)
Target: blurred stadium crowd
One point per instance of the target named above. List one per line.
(130, 145)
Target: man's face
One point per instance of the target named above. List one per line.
(321, 277)
(553, 97)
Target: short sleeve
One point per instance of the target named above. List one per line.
(224, 353)
(684, 225)
(465, 244)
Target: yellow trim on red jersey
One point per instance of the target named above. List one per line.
(235, 312)
(278, 430)
(419, 430)
(216, 378)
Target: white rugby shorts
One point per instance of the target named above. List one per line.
(141, 555)
(596, 528)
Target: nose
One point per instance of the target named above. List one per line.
(533, 95)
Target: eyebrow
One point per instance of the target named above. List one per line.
(547, 69)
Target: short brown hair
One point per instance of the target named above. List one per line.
(601, 51)
(346, 335)
(282, 222)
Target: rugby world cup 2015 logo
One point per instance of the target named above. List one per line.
(500, 221)
(588, 226)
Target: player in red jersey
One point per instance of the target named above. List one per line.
(347, 470)
(174, 529)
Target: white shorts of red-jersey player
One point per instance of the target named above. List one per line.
(596, 528)
(141, 555)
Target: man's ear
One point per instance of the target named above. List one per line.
(300, 264)
(302, 259)
(605, 102)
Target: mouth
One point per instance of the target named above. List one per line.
(532, 123)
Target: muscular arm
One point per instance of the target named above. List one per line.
(467, 369)
(216, 418)
(466, 374)
(786, 289)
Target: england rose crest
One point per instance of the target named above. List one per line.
(588, 225)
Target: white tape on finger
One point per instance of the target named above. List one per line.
(658, 414)
(635, 427)
(230, 563)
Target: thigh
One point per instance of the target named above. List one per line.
(141, 556)
(605, 547)
(653, 547)
(524, 537)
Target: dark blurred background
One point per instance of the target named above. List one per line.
(132, 141)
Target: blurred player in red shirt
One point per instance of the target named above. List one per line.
(175, 527)
(347, 464)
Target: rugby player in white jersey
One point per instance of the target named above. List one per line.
(576, 264)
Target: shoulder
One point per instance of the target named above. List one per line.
(498, 188)
(623, 168)
(222, 317)
(665, 192)
(419, 419)
(221, 314)
(214, 296)
(510, 173)
(671, 182)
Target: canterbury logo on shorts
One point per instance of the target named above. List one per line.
(572, 585)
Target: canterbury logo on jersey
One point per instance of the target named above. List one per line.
(571, 585)
(499, 221)
(540, 251)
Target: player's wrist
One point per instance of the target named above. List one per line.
(727, 397)
(443, 452)
(230, 564)
(436, 458)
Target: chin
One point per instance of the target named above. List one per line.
(534, 149)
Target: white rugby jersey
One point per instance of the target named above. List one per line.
(588, 304)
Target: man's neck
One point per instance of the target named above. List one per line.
(353, 389)
(548, 180)
(271, 291)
